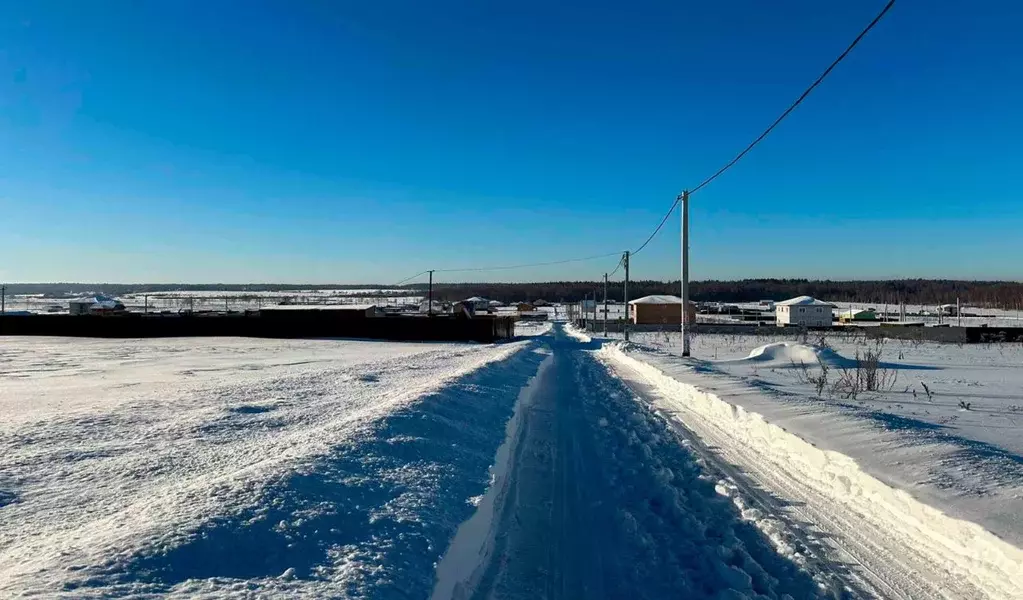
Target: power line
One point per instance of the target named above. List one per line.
(799, 100)
(767, 131)
(621, 261)
(523, 266)
(678, 198)
(659, 225)
(411, 278)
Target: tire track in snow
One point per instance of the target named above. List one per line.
(604, 502)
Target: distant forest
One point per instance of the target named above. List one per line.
(994, 294)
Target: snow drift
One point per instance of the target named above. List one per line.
(957, 558)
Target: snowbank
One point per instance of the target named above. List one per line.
(462, 566)
(235, 468)
(954, 556)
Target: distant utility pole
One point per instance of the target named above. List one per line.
(429, 298)
(685, 273)
(959, 312)
(145, 308)
(605, 304)
(3, 299)
(625, 326)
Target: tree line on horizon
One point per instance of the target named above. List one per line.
(994, 294)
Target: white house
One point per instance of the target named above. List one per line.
(803, 311)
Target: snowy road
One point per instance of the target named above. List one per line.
(605, 502)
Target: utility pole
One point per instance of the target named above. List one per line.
(685, 273)
(605, 304)
(145, 309)
(959, 312)
(3, 299)
(625, 326)
(429, 297)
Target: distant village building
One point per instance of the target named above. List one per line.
(97, 304)
(660, 309)
(477, 303)
(948, 310)
(424, 307)
(851, 315)
(541, 302)
(524, 307)
(803, 311)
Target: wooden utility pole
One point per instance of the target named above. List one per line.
(959, 312)
(145, 300)
(685, 273)
(429, 297)
(625, 326)
(605, 304)
(3, 299)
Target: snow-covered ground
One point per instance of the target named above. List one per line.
(914, 437)
(238, 467)
(555, 466)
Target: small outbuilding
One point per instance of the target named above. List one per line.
(851, 315)
(478, 303)
(524, 307)
(438, 308)
(660, 309)
(803, 311)
(98, 304)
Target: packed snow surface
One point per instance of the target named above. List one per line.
(227, 467)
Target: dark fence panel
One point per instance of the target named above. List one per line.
(280, 324)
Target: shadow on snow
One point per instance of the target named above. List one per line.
(374, 514)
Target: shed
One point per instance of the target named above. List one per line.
(438, 308)
(478, 303)
(847, 316)
(97, 304)
(660, 309)
(803, 311)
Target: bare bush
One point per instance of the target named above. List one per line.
(866, 374)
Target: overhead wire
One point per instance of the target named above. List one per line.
(621, 262)
(407, 279)
(523, 266)
(702, 184)
(776, 122)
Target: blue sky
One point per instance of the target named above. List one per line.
(366, 141)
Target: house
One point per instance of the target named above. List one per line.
(495, 304)
(803, 311)
(847, 316)
(98, 304)
(948, 310)
(524, 307)
(477, 303)
(541, 302)
(660, 309)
